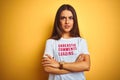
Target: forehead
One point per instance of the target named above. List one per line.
(66, 13)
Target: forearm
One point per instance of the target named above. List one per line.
(55, 70)
(81, 64)
(77, 66)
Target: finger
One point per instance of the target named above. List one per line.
(46, 65)
(46, 59)
(46, 62)
(80, 57)
(48, 56)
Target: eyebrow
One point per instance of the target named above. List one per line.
(65, 16)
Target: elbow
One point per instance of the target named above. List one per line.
(46, 69)
(87, 68)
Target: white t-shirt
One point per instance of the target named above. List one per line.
(66, 50)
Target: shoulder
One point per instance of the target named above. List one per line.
(81, 39)
(50, 41)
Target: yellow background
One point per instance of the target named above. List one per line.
(26, 24)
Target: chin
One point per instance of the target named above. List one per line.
(67, 31)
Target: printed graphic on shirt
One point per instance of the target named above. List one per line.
(66, 49)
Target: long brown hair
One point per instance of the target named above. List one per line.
(57, 31)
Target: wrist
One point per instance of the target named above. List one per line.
(61, 65)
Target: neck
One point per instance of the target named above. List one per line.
(66, 35)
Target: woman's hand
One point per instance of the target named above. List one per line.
(48, 61)
(80, 58)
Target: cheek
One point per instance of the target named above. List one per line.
(61, 23)
(72, 23)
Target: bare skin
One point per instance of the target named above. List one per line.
(82, 63)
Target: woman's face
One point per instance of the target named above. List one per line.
(66, 21)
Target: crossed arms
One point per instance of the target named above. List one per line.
(82, 63)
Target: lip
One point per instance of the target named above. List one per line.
(66, 26)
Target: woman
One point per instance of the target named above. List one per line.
(66, 56)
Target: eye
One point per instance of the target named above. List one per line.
(71, 17)
(62, 17)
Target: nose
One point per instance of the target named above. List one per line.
(67, 21)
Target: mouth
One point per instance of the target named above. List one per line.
(67, 26)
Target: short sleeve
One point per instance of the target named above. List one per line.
(84, 47)
(49, 48)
